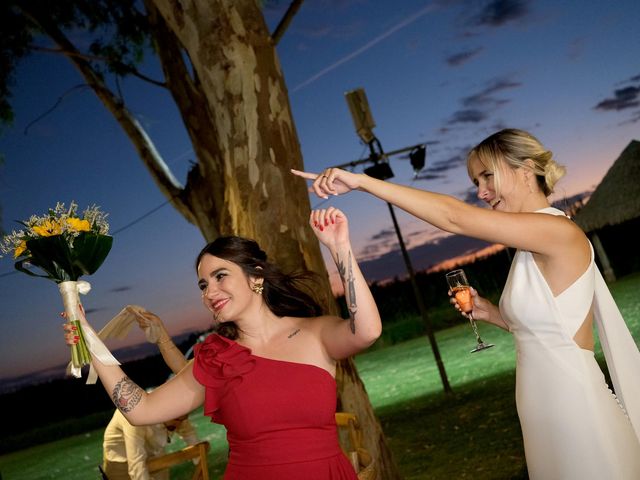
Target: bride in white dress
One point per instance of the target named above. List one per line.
(573, 426)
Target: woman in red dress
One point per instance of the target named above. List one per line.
(267, 374)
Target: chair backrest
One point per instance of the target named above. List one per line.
(354, 449)
(198, 450)
(102, 474)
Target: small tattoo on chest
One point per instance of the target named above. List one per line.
(294, 333)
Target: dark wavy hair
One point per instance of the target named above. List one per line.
(283, 293)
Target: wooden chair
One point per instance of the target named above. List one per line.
(359, 457)
(198, 450)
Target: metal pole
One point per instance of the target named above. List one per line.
(420, 302)
(412, 278)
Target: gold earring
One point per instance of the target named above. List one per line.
(257, 288)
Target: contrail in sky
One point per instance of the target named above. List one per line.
(407, 21)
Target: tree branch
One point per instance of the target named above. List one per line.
(285, 21)
(159, 170)
(133, 71)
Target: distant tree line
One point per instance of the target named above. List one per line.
(63, 407)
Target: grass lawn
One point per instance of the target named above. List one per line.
(473, 433)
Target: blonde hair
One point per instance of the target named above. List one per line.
(514, 148)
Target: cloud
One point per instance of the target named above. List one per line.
(468, 116)
(499, 12)
(622, 99)
(379, 244)
(383, 234)
(470, 195)
(480, 105)
(460, 58)
(450, 163)
(625, 98)
(124, 288)
(429, 176)
(93, 310)
(576, 49)
(635, 117)
(484, 97)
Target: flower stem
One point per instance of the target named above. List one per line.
(83, 357)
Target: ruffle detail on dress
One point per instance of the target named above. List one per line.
(219, 365)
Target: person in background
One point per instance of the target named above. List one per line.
(126, 448)
(573, 426)
(171, 354)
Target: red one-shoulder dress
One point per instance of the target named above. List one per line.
(279, 415)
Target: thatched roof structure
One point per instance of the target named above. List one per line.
(617, 198)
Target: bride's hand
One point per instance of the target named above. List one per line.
(332, 181)
(481, 306)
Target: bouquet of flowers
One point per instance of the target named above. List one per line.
(64, 246)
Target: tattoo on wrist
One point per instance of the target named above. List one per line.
(126, 395)
(346, 272)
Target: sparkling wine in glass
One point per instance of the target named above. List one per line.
(459, 285)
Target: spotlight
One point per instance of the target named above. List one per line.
(379, 170)
(417, 157)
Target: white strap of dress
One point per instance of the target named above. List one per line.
(620, 351)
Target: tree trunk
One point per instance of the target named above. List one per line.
(235, 107)
(252, 146)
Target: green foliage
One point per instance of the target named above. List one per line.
(116, 33)
(63, 262)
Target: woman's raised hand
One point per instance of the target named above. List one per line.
(332, 181)
(330, 225)
(148, 320)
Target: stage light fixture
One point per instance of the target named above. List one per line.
(379, 170)
(361, 114)
(417, 157)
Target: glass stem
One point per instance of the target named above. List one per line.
(475, 327)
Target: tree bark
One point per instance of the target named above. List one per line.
(256, 145)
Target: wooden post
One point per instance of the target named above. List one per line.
(608, 273)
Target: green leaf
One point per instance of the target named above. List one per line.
(89, 251)
(19, 265)
(53, 255)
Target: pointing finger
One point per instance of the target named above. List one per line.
(307, 175)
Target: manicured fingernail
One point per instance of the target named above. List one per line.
(333, 221)
(321, 228)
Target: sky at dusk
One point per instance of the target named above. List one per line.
(444, 73)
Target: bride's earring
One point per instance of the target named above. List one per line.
(257, 288)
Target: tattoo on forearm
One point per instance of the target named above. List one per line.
(126, 395)
(346, 272)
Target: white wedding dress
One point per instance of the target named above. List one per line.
(573, 426)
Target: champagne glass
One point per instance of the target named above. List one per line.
(459, 285)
